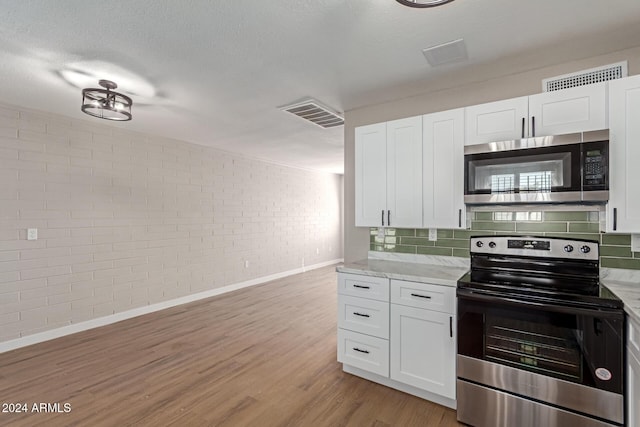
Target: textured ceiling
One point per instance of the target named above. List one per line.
(214, 72)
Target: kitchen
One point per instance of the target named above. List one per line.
(245, 260)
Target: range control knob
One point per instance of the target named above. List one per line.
(479, 243)
(568, 248)
(492, 244)
(585, 249)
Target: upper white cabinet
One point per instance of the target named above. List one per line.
(623, 209)
(578, 109)
(497, 121)
(388, 166)
(443, 169)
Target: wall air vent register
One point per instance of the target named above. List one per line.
(586, 77)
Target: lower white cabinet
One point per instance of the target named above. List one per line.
(423, 349)
(363, 351)
(633, 373)
(401, 332)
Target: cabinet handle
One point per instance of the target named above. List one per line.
(389, 218)
(533, 125)
(451, 326)
(361, 351)
(460, 218)
(523, 122)
(361, 287)
(615, 219)
(382, 211)
(421, 296)
(360, 314)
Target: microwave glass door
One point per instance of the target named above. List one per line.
(539, 170)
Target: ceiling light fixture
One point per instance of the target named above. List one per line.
(105, 103)
(423, 3)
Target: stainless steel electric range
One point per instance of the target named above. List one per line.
(540, 340)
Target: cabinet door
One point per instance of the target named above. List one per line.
(633, 373)
(633, 391)
(623, 209)
(443, 169)
(423, 350)
(571, 110)
(371, 174)
(497, 121)
(404, 172)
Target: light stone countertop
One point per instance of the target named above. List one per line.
(626, 285)
(413, 272)
(447, 270)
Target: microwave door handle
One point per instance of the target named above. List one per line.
(523, 122)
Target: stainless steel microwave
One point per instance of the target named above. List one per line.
(551, 169)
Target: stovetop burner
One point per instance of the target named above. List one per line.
(538, 269)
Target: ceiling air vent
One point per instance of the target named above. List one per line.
(586, 77)
(313, 111)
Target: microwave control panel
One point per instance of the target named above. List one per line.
(595, 164)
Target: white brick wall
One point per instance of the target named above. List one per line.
(126, 220)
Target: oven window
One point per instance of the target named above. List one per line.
(544, 348)
(570, 347)
(540, 173)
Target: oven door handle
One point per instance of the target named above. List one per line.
(556, 308)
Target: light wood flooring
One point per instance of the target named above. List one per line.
(260, 356)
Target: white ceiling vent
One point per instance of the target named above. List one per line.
(313, 111)
(586, 77)
(445, 53)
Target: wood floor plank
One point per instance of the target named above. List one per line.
(262, 356)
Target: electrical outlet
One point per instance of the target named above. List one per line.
(433, 234)
(246, 264)
(32, 234)
(317, 251)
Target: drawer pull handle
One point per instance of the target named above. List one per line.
(361, 351)
(421, 296)
(360, 314)
(361, 287)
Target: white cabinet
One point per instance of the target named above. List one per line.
(633, 373)
(388, 174)
(623, 209)
(497, 121)
(363, 322)
(443, 170)
(399, 333)
(423, 343)
(577, 109)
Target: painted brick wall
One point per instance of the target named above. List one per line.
(127, 220)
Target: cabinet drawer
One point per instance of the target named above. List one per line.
(364, 315)
(364, 352)
(423, 295)
(363, 286)
(633, 341)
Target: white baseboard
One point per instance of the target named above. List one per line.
(117, 317)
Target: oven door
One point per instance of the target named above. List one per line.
(570, 357)
(540, 174)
